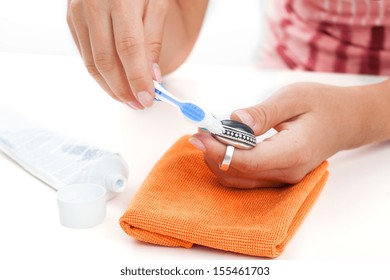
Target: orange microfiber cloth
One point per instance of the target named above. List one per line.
(181, 203)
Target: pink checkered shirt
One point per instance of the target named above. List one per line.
(345, 36)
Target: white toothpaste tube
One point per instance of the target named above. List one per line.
(84, 176)
(58, 160)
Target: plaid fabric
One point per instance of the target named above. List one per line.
(344, 36)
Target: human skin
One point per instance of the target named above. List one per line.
(313, 122)
(125, 44)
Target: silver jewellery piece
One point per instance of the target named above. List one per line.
(236, 134)
(227, 159)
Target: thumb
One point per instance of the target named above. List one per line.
(271, 112)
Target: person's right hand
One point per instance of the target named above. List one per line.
(120, 43)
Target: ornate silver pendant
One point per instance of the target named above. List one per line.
(237, 134)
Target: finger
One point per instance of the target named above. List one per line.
(82, 33)
(234, 181)
(241, 173)
(154, 21)
(71, 27)
(282, 151)
(106, 58)
(284, 105)
(215, 151)
(129, 41)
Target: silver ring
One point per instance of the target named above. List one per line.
(227, 159)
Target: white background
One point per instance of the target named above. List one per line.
(230, 34)
(351, 215)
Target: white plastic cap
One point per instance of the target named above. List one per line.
(81, 205)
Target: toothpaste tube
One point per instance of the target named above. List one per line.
(59, 161)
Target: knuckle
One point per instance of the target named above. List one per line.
(235, 182)
(161, 5)
(248, 166)
(92, 70)
(95, 8)
(122, 95)
(92, 5)
(128, 45)
(118, 4)
(136, 79)
(263, 114)
(298, 89)
(75, 6)
(294, 177)
(246, 185)
(155, 49)
(226, 182)
(104, 62)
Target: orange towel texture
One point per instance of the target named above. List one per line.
(181, 203)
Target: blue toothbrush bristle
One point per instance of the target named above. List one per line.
(192, 112)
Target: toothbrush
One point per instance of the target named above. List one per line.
(190, 110)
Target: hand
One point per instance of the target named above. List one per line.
(313, 122)
(121, 41)
(110, 36)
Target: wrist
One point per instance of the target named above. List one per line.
(369, 113)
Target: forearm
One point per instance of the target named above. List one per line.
(182, 28)
(370, 113)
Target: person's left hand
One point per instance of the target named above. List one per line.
(313, 121)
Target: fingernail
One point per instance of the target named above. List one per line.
(134, 105)
(145, 98)
(245, 117)
(197, 143)
(157, 72)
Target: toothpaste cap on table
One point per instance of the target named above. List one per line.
(81, 205)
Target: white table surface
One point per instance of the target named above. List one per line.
(350, 219)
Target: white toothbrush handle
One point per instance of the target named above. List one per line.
(164, 95)
(208, 122)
